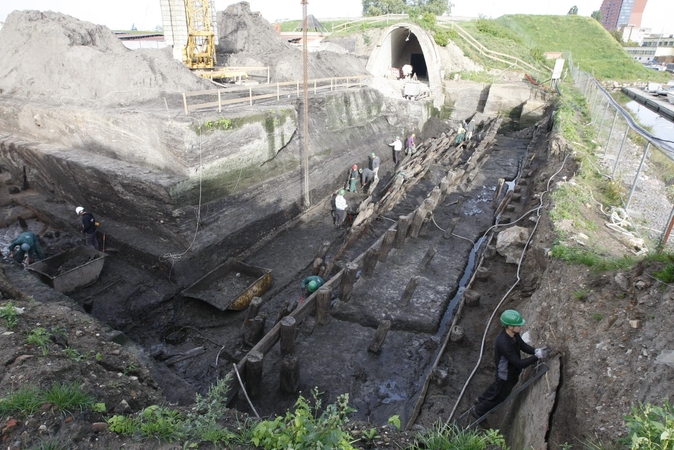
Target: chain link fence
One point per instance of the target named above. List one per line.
(641, 163)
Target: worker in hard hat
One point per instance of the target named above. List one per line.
(89, 227)
(340, 208)
(509, 363)
(27, 244)
(366, 178)
(374, 164)
(311, 284)
(411, 147)
(353, 178)
(397, 148)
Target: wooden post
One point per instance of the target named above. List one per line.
(323, 250)
(379, 336)
(444, 186)
(420, 216)
(429, 256)
(253, 310)
(316, 268)
(323, 297)
(187, 111)
(456, 334)
(290, 374)
(401, 231)
(370, 262)
(287, 334)
(435, 196)
(255, 330)
(386, 244)
(499, 188)
(253, 374)
(325, 270)
(472, 298)
(409, 290)
(348, 278)
(283, 312)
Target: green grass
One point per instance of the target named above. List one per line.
(590, 258)
(593, 48)
(27, 400)
(442, 437)
(40, 337)
(9, 314)
(68, 396)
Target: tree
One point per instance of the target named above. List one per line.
(413, 7)
(573, 11)
(596, 15)
(617, 35)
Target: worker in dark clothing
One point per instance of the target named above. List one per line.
(411, 146)
(28, 244)
(509, 363)
(353, 178)
(366, 178)
(374, 164)
(89, 226)
(311, 284)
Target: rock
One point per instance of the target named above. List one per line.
(122, 407)
(118, 337)
(621, 281)
(510, 243)
(97, 427)
(635, 323)
(440, 377)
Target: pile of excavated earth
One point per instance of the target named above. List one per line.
(132, 340)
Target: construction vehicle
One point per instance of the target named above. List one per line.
(190, 28)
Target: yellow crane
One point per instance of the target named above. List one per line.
(199, 53)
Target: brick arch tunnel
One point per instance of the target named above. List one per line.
(407, 43)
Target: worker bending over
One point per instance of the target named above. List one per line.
(27, 243)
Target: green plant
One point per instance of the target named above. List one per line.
(164, 424)
(52, 445)
(305, 428)
(367, 39)
(26, 400)
(129, 369)
(442, 436)
(212, 125)
(68, 396)
(99, 357)
(202, 422)
(74, 354)
(666, 275)
(98, 407)
(395, 421)
(369, 436)
(123, 425)
(9, 313)
(650, 427)
(40, 337)
(581, 294)
(597, 317)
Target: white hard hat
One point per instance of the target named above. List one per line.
(79, 210)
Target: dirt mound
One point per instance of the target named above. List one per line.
(247, 39)
(53, 57)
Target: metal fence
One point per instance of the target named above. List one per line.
(642, 163)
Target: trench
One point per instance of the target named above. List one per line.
(193, 344)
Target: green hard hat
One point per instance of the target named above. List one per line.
(342, 192)
(312, 286)
(512, 318)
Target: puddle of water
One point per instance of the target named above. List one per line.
(661, 126)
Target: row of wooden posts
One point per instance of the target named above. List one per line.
(410, 225)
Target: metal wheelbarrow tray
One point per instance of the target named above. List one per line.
(230, 286)
(71, 270)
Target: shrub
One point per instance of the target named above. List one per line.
(451, 436)
(441, 38)
(650, 427)
(8, 312)
(305, 428)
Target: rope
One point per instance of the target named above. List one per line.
(519, 266)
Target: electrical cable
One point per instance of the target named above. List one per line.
(519, 266)
(174, 257)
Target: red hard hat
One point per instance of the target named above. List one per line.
(355, 167)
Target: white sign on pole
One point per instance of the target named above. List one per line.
(557, 71)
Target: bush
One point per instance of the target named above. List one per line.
(305, 429)
(451, 436)
(441, 38)
(650, 427)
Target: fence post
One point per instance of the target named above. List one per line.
(608, 103)
(187, 111)
(610, 132)
(219, 101)
(620, 152)
(278, 91)
(665, 238)
(636, 179)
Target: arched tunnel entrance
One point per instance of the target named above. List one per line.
(407, 43)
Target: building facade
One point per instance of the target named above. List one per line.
(655, 49)
(619, 13)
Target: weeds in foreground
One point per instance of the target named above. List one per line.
(9, 313)
(666, 275)
(305, 428)
(650, 427)
(52, 445)
(591, 259)
(451, 436)
(40, 337)
(27, 400)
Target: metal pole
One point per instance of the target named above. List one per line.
(608, 103)
(620, 152)
(305, 121)
(665, 238)
(611, 132)
(636, 179)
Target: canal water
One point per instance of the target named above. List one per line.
(660, 126)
